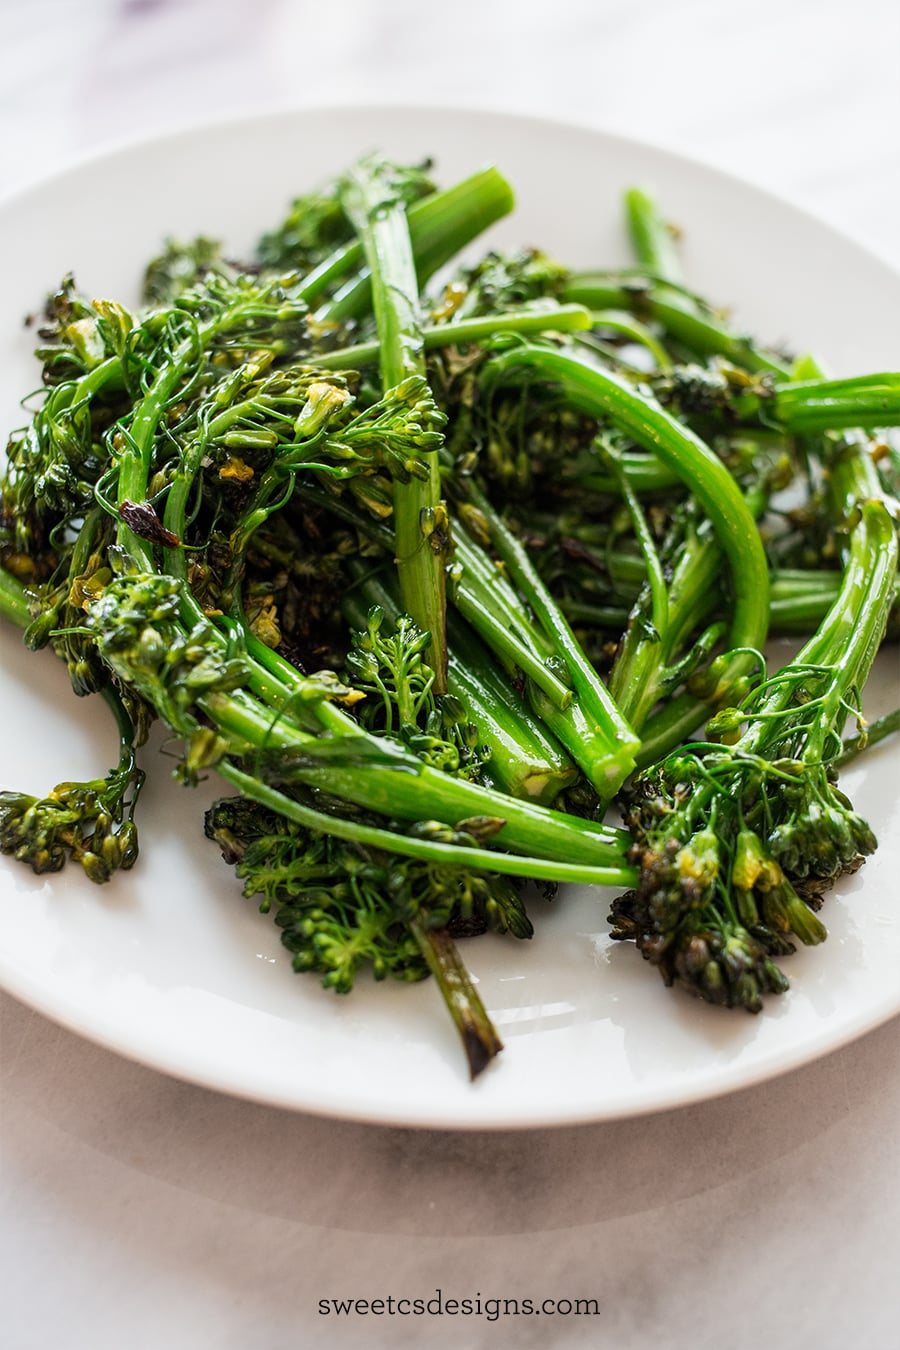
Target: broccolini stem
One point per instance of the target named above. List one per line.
(602, 394)
(430, 850)
(420, 517)
(656, 581)
(439, 226)
(610, 617)
(644, 473)
(868, 401)
(476, 1031)
(135, 459)
(562, 319)
(864, 516)
(651, 237)
(678, 314)
(801, 599)
(13, 599)
(525, 761)
(620, 322)
(669, 727)
(480, 595)
(510, 648)
(374, 774)
(486, 600)
(648, 661)
(845, 644)
(874, 732)
(861, 609)
(606, 773)
(345, 259)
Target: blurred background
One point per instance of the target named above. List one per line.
(141, 1211)
(800, 96)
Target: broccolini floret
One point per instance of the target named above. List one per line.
(342, 907)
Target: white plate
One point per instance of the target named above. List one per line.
(168, 965)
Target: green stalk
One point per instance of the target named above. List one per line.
(608, 773)
(620, 322)
(524, 761)
(679, 315)
(479, 592)
(602, 394)
(421, 533)
(869, 402)
(644, 472)
(476, 1031)
(800, 600)
(429, 850)
(510, 648)
(847, 640)
(85, 387)
(799, 597)
(859, 508)
(651, 238)
(439, 226)
(13, 599)
(675, 722)
(612, 618)
(861, 609)
(874, 732)
(577, 733)
(562, 319)
(484, 597)
(647, 666)
(135, 458)
(384, 778)
(845, 647)
(347, 258)
(655, 581)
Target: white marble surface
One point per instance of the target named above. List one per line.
(143, 1212)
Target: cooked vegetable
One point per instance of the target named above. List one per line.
(426, 573)
(738, 837)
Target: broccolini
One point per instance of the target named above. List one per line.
(433, 573)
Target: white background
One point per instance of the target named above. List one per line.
(139, 1211)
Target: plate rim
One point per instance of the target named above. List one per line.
(115, 146)
(737, 1077)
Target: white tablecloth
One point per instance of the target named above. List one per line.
(142, 1212)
